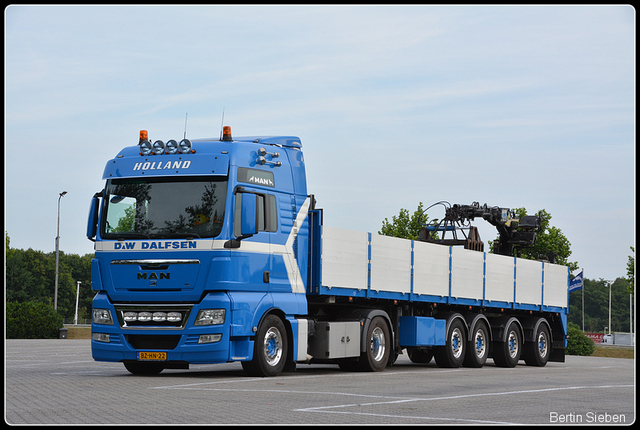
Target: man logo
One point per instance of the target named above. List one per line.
(153, 275)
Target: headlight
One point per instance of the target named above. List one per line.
(145, 316)
(130, 316)
(210, 317)
(158, 147)
(101, 337)
(184, 146)
(159, 316)
(209, 338)
(102, 316)
(174, 317)
(145, 147)
(172, 147)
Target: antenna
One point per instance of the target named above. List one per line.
(222, 123)
(185, 125)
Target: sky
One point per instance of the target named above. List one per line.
(512, 106)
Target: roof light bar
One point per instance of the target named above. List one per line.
(159, 147)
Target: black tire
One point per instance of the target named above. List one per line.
(393, 357)
(420, 356)
(452, 354)
(507, 353)
(478, 347)
(378, 347)
(537, 353)
(143, 368)
(270, 349)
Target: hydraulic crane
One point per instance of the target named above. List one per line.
(512, 230)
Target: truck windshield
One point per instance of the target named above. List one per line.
(164, 208)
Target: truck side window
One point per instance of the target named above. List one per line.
(267, 213)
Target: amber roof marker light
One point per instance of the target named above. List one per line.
(226, 134)
(145, 145)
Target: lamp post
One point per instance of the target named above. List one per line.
(55, 299)
(610, 284)
(75, 320)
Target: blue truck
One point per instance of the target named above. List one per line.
(213, 251)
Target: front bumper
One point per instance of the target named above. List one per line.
(119, 342)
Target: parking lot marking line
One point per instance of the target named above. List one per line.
(463, 396)
(296, 392)
(409, 417)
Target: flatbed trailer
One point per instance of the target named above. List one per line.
(212, 251)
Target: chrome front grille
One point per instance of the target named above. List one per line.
(153, 316)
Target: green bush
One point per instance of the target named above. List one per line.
(579, 343)
(32, 320)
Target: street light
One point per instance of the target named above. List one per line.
(610, 284)
(55, 299)
(75, 320)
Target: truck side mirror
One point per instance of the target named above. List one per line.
(249, 215)
(247, 218)
(92, 221)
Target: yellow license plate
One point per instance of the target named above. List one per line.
(152, 356)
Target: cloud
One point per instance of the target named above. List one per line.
(514, 106)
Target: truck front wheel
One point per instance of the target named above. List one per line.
(378, 347)
(270, 349)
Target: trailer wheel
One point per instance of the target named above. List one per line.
(537, 353)
(270, 349)
(142, 368)
(452, 354)
(378, 347)
(478, 350)
(507, 353)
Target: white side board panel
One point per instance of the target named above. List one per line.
(345, 258)
(430, 269)
(555, 277)
(529, 281)
(499, 278)
(390, 264)
(467, 273)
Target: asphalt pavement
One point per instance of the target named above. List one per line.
(57, 382)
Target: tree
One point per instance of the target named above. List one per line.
(79, 268)
(32, 320)
(596, 306)
(30, 277)
(404, 225)
(7, 253)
